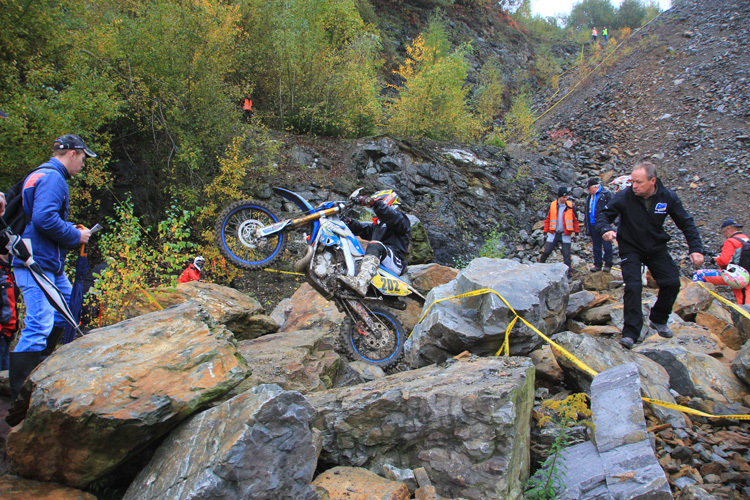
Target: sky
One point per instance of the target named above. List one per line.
(553, 7)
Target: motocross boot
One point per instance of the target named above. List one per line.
(367, 270)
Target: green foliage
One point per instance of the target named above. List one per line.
(563, 415)
(433, 103)
(519, 122)
(631, 13)
(493, 246)
(138, 259)
(489, 95)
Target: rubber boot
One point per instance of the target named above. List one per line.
(21, 365)
(53, 339)
(367, 270)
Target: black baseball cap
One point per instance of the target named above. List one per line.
(592, 182)
(730, 222)
(562, 191)
(72, 141)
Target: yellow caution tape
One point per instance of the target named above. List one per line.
(283, 272)
(727, 302)
(505, 347)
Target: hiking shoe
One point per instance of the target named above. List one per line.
(596, 269)
(662, 329)
(627, 343)
(607, 269)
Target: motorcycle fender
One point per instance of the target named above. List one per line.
(389, 285)
(302, 203)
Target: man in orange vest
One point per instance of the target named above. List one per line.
(560, 225)
(247, 107)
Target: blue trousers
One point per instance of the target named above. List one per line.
(40, 315)
(599, 245)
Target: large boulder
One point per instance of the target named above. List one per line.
(427, 276)
(477, 323)
(696, 374)
(98, 401)
(302, 360)
(692, 299)
(257, 445)
(18, 488)
(741, 364)
(466, 423)
(243, 315)
(719, 322)
(601, 354)
(356, 483)
(307, 309)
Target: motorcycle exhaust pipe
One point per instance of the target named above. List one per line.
(301, 265)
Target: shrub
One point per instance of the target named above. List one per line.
(519, 122)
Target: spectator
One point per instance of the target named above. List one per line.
(193, 271)
(9, 314)
(643, 209)
(388, 237)
(247, 107)
(605, 34)
(45, 200)
(593, 34)
(731, 273)
(560, 224)
(597, 199)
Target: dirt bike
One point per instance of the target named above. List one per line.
(251, 236)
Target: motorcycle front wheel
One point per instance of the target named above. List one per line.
(384, 349)
(236, 235)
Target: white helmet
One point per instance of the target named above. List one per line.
(198, 262)
(736, 276)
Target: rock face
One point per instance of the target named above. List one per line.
(356, 483)
(18, 488)
(621, 463)
(243, 315)
(467, 424)
(741, 364)
(119, 388)
(537, 292)
(257, 445)
(308, 309)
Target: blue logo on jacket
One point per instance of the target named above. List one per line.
(661, 208)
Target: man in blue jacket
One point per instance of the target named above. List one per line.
(46, 203)
(643, 209)
(595, 202)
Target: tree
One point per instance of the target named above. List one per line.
(590, 13)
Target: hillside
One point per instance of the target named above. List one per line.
(682, 98)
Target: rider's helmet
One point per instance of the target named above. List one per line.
(736, 276)
(198, 262)
(387, 196)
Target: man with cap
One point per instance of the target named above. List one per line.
(643, 208)
(597, 199)
(731, 273)
(46, 202)
(560, 224)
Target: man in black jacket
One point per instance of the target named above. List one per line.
(388, 238)
(597, 199)
(643, 208)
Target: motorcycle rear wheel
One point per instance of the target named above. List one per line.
(389, 349)
(236, 240)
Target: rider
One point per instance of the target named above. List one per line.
(388, 234)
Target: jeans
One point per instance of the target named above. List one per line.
(40, 315)
(600, 244)
(667, 276)
(4, 352)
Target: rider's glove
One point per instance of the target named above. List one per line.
(365, 201)
(347, 220)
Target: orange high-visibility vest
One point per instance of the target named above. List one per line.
(570, 222)
(247, 105)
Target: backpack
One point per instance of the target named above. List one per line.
(15, 218)
(744, 260)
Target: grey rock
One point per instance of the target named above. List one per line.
(741, 363)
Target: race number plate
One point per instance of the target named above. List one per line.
(390, 286)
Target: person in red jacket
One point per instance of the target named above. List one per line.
(9, 309)
(731, 273)
(193, 271)
(560, 224)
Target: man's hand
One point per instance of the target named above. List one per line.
(609, 236)
(2, 203)
(696, 258)
(85, 234)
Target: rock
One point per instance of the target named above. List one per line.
(466, 423)
(579, 301)
(597, 281)
(599, 315)
(696, 374)
(546, 365)
(405, 476)
(719, 322)
(584, 473)
(426, 277)
(691, 337)
(257, 445)
(18, 488)
(600, 354)
(742, 322)
(240, 313)
(601, 330)
(310, 310)
(359, 372)
(692, 299)
(356, 483)
(537, 292)
(741, 364)
(303, 360)
(693, 492)
(111, 393)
